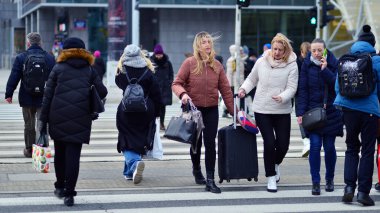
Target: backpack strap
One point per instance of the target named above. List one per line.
(139, 79)
(325, 97)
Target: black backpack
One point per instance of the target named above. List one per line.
(355, 75)
(134, 99)
(34, 72)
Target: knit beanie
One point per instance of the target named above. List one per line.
(367, 35)
(73, 42)
(132, 57)
(158, 49)
(97, 54)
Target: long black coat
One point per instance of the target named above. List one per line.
(134, 127)
(164, 74)
(310, 93)
(66, 102)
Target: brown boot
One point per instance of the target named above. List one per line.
(28, 153)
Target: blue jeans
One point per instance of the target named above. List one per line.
(131, 159)
(316, 141)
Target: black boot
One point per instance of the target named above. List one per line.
(365, 199)
(199, 178)
(316, 190)
(348, 194)
(329, 186)
(210, 183)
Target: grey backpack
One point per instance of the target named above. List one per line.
(134, 98)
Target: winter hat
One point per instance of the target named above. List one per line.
(267, 45)
(73, 42)
(367, 35)
(132, 57)
(97, 54)
(158, 49)
(34, 38)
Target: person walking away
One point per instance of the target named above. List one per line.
(360, 117)
(164, 74)
(275, 77)
(199, 79)
(99, 64)
(317, 74)
(66, 110)
(33, 79)
(304, 50)
(135, 127)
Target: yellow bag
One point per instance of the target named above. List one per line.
(234, 65)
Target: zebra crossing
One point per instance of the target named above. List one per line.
(104, 137)
(191, 199)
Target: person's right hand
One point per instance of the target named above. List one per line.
(185, 98)
(9, 100)
(241, 93)
(299, 120)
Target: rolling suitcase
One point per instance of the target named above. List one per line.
(237, 153)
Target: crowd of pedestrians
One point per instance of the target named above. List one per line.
(276, 80)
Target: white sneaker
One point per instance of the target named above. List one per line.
(137, 174)
(306, 148)
(277, 168)
(272, 186)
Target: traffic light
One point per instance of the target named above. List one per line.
(243, 3)
(326, 7)
(313, 16)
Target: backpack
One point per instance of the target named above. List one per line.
(133, 99)
(34, 73)
(356, 78)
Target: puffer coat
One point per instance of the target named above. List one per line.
(66, 101)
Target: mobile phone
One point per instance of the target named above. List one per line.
(324, 53)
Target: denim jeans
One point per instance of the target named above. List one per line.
(131, 159)
(359, 168)
(316, 142)
(31, 115)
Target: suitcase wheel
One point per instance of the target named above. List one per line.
(220, 180)
(249, 179)
(228, 180)
(255, 179)
(377, 186)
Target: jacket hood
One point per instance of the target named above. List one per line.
(362, 47)
(267, 55)
(76, 57)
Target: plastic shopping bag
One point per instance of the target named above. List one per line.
(41, 155)
(157, 151)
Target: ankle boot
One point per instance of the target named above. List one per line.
(198, 176)
(210, 183)
(329, 186)
(316, 190)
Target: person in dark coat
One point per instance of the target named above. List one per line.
(31, 105)
(99, 64)
(318, 72)
(66, 110)
(164, 74)
(136, 129)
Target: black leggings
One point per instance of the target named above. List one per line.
(275, 130)
(210, 119)
(66, 164)
(162, 114)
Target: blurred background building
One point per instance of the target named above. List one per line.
(108, 25)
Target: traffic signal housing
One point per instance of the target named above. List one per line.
(243, 3)
(326, 7)
(313, 16)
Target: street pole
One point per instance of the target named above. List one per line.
(318, 29)
(237, 46)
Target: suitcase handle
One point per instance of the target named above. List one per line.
(236, 98)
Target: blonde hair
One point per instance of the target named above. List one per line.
(201, 57)
(305, 48)
(282, 39)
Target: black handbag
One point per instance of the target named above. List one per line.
(96, 103)
(316, 117)
(181, 129)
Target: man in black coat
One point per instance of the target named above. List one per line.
(31, 104)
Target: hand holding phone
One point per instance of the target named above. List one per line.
(324, 54)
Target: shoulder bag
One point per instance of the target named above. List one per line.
(316, 117)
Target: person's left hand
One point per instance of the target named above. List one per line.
(277, 98)
(323, 63)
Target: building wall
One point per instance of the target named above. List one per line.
(177, 28)
(47, 25)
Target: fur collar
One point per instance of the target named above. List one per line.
(76, 53)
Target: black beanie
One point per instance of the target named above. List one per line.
(73, 43)
(367, 35)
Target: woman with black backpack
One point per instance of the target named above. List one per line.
(136, 128)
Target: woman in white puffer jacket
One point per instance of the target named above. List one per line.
(275, 76)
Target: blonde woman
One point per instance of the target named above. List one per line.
(134, 127)
(275, 76)
(199, 79)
